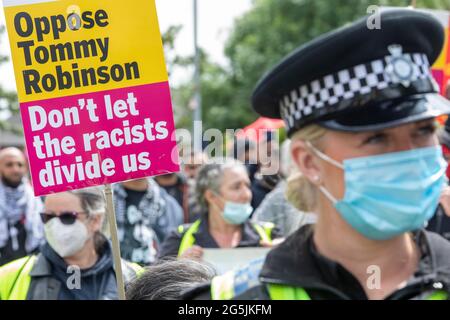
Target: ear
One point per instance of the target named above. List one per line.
(210, 196)
(306, 162)
(96, 222)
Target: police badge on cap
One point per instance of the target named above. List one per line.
(359, 79)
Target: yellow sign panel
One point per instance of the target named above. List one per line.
(60, 49)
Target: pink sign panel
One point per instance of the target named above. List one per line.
(98, 138)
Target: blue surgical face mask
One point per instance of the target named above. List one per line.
(236, 213)
(389, 194)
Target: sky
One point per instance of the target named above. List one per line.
(215, 19)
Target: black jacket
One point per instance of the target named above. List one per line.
(440, 223)
(50, 277)
(250, 238)
(297, 263)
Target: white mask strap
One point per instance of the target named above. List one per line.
(324, 157)
(327, 194)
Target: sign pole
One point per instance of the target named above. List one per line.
(197, 81)
(114, 240)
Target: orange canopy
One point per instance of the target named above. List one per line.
(256, 130)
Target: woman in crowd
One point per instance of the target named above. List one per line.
(76, 261)
(223, 191)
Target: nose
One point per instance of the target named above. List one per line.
(17, 169)
(403, 142)
(404, 145)
(246, 194)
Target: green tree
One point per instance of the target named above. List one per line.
(261, 37)
(217, 96)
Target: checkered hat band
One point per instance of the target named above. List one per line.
(346, 84)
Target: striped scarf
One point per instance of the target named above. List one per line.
(16, 204)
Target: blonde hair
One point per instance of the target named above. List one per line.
(301, 192)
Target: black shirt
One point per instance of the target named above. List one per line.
(176, 190)
(134, 197)
(440, 223)
(10, 252)
(130, 246)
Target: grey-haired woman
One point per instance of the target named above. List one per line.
(76, 261)
(223, 191)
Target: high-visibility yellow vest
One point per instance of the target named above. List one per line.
(282, 292)
(263, 229)
(222, 288)
(237, 282)
(15, 277)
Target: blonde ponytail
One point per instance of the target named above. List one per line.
(300, 191)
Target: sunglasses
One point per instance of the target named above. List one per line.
(66, 217)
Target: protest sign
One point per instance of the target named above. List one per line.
(93, 91)
(441, 68)
(224, 260)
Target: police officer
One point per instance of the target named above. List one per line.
(223, 192)
(440, 223)
(359, 106)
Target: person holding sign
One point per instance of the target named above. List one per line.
(360, 108)
(76, 261)
(223, 191)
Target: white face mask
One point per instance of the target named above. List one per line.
(66, 240)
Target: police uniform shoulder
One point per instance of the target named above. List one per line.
(199, 292)
(439, 246)
(240, 283)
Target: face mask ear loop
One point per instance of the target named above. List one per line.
(328, 195)
(221, 198)
(324, 157)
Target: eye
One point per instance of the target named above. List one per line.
(236, 186)
(426, 130)
(375, 138)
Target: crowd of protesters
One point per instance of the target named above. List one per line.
(149, 211)
(58, 247)
(164, 223)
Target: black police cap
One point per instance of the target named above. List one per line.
(359, 79)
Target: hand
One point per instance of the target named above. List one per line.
(272, 243)
(194, 253)
(445, 200)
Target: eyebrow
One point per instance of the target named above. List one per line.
(415, 124)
